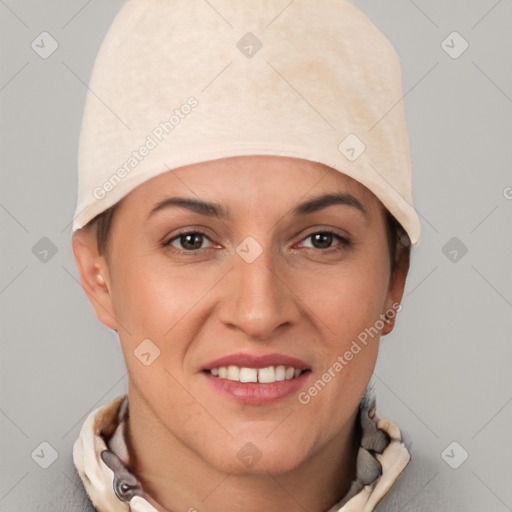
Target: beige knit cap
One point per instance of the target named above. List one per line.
(178, 82)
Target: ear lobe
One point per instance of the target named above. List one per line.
(94, 276)
(389, 326)
(396, 291)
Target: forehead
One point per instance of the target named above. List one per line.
(259, 186)
(250, 178)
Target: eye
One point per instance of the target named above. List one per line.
(192, 241)
(322, 240)
(188, 241)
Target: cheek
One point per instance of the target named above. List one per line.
(147, 300)
(149, 304)
(346, 306)
(145, 308)
(348, 299)
(161, 303)
(347, 310)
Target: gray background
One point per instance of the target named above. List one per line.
(443, 374)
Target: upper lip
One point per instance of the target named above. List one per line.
(254, 361)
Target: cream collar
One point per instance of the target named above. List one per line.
(101, 457)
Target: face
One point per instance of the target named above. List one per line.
(267, 277)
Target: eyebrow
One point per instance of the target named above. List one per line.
(216, 210)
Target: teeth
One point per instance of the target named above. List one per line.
(248, 375)
(280, 373)
(267, 374)
(233, 373)
(264, 375)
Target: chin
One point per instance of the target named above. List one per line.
(258, 457)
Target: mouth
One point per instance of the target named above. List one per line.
(266, 375)
(257, 380)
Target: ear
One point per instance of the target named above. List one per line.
(94, 275)
(396, 290)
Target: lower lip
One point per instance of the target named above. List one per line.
(254, 393)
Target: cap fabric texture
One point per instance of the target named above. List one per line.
(178, 82)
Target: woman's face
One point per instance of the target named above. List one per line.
(270, 272)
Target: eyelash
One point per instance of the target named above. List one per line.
(344, 242)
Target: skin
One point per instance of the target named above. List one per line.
(296, 298)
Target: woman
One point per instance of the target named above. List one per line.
(244, 223)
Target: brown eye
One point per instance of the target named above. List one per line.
(191, 241)
(323, 240)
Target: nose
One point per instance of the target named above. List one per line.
(259, 297)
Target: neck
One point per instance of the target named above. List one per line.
(176, 478)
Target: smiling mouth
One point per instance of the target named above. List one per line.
(267, 375)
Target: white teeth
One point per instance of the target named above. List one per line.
(248, 375)
(267, 374)
(264, 375)
(233, 373)
(280, 373)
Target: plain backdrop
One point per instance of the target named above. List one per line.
(444, 374)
